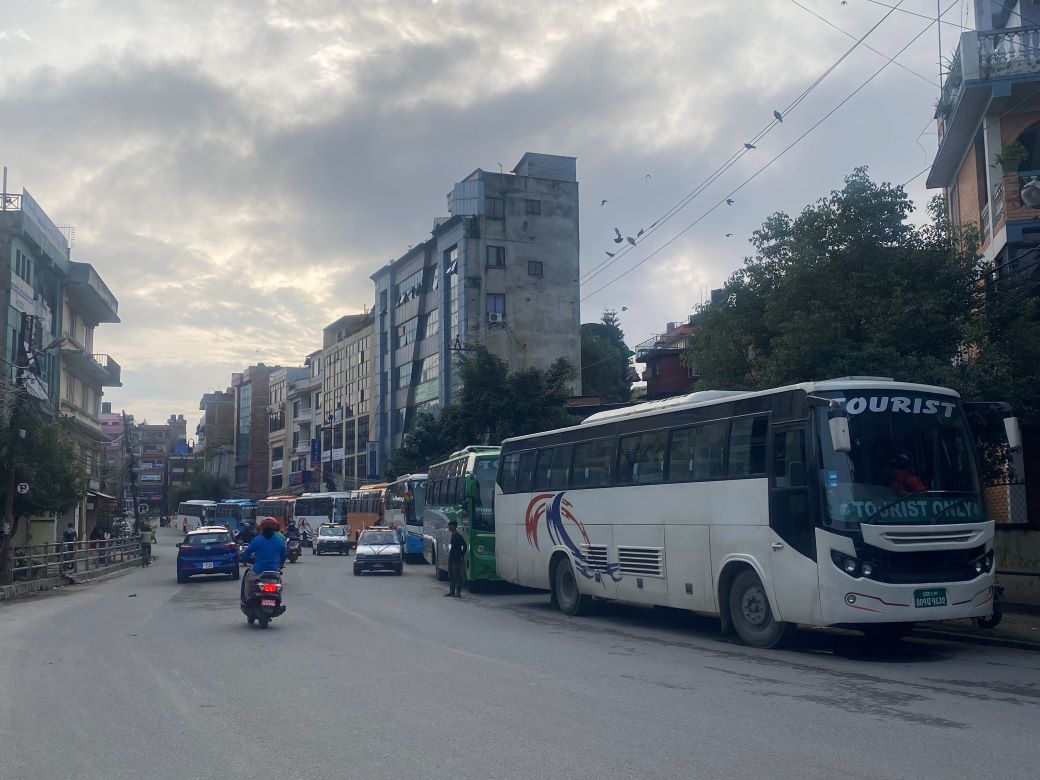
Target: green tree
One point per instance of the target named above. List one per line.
(492, 404)
(605, 369)
(46, 459)
(202, 486)
(849, 286)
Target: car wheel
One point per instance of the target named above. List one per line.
(357, 572)
(181, 578)
(250, 618)
(265, 622)
(314, 551)
(752, 615)
(565, 587)
(399, 570)
(236, 574)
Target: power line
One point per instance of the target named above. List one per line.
(917, 175)
(744, 149)
(761, 170)
(921, 16)
(866, 46)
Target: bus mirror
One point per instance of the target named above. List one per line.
(471, 486)
(1014, 433)
(796, 474)
(841, 440)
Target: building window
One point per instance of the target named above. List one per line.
(496, 256)
(276, 482)
(534, 268)
(532, 207)
(495, 208)
(429, 325)
(496, 303)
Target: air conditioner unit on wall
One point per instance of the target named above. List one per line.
(494, 316)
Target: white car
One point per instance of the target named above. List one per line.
(378, 549)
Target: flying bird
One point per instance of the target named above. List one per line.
(648, 176)
(779, 117)
(750, 146)
(641, 231)
(729, 235)
(624, 308)
(631, 240)
(729, 201)
(610, 254)
(603, 202)
(618, 239)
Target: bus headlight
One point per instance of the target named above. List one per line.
(481, 548)
(852, 566)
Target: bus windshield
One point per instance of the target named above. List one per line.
(485, 470)
(911, 462)
(314, 507)
(415, 508)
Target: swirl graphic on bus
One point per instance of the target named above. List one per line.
(558, 514)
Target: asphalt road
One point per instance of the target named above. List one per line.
(380, 677)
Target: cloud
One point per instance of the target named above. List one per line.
(236, 171)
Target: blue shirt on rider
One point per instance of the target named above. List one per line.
(270, 553)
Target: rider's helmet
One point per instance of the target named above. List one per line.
(269, 522)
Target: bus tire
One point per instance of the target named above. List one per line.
(565, 590)
(752, 615)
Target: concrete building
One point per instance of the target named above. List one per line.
(158, 463)
(303, 416)
(345, 412)
(114, 460)
(215, 433)
(282, 387)
(252, 390)
(665, 375)
(988, 165)
(501, 271)
(51, 307)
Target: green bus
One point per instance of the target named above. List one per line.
(462, 488)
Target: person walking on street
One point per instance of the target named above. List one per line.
(147, 540)
(456, 565)
(69, 537)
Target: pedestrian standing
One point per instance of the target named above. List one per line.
(69, 537)
(456, 564)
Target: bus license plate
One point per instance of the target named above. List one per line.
(208, 565)
(932, 597)
(267, 603)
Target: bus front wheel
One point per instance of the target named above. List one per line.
(751, 614)
(565, 589)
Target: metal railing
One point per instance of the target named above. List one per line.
(40, 561)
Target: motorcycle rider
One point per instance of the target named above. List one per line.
(269, 552)
(292, 532)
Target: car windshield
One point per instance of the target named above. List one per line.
(331, 532)
(381, 537)
(199, 540)
(911, 462)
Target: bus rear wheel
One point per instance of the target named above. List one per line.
(565, 590)
(752, 616)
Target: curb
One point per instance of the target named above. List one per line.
(975, 639)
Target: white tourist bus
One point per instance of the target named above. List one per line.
(194, 512)
(851, 502)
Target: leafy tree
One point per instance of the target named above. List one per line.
(605, 370)
(847, 287)
(202, 486)
(492, 404)
(46, 459)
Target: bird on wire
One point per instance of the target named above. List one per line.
(729, 201)
(750, 146)
(603, 202)
(778, 116)
(641, 231)
(610, 254)
(729, 235)
(631, 240)
(618, 239)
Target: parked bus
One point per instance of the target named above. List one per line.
(462, 488)
(850, 502)
(278, 507)
(405, 503)
(193, 513)
(366, 507)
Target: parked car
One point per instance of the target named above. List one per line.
(207, 550)
(378, 549)
(331, 538)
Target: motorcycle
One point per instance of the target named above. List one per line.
(264, 601)
(292, 548)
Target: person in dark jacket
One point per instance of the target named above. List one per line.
(456, 565)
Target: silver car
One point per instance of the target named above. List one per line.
(378, 549)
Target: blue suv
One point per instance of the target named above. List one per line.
(207, 550)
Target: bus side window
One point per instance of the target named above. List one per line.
(592, 460)
(560, 468)
(747, 446)
(525, 472)
(641, 458)
(510, 465)
(543, 469)
(789, 508)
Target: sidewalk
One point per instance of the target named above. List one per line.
(1019, 630)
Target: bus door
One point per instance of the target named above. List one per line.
(792, 559)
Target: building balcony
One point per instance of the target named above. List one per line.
(662, 343)
(100, 370)
(90, 295)
(992, 72)
(304, 416)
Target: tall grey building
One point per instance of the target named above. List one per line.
(501, 271)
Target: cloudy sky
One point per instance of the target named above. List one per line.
(235, 169)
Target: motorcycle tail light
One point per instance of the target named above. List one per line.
(269, 587)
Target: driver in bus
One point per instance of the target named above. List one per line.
(904, 480)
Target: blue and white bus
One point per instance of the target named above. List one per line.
(406, 500)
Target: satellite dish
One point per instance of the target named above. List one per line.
(1031, 194)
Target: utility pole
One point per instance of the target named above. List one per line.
(133, 473)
